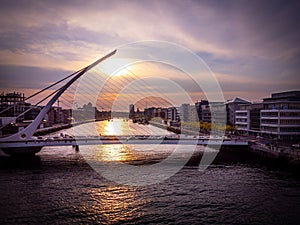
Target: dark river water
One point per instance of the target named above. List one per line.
(58, 186)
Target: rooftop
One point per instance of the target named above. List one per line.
(284, 96)
(238, 101)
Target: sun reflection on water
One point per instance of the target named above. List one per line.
(131, 154)
(113, 127)
(126, 127)
(113, 153)
(115, 204)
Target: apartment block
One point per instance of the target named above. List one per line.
(247, 118)
(231, 107)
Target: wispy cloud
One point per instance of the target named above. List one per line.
(247, 42)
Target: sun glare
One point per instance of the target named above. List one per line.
(122, 72)
(115, 67)
(113, 127)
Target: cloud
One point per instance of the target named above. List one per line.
(254, 42)
(227, 29)
(29, 77)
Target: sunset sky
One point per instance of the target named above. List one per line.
(251, 46)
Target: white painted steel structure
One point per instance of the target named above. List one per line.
(26, 135)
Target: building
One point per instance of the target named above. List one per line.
(205, 114)
(218, 113)
(163, 113)
(280, 116)
(193, 114)
(247, 118)
(149, 113)
(67, 116)
(131, 111)
(12, 104)
(205, 109)
(173, 114)
(276, 117)
(54, 116)
(184, 112)
(231, 107)
(188, 113)
(15, 113)
(242, 120)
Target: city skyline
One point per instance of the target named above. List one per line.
(252, 48)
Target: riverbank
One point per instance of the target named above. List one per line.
(176, 130)
(282, 155)
(48, 130)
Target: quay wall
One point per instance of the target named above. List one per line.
(280, 155)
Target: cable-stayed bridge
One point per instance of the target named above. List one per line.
(24, 142)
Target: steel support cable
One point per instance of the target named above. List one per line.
(44, 89)
(76, 75)
(117, 83)
(26, 111)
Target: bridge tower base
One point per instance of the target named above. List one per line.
(21, 151)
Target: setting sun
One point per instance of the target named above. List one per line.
(122, 72)
(115, 66)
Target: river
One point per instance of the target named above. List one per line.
(58, 186)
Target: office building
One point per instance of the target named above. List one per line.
(280, 116)
(231, 107)
(247, 118)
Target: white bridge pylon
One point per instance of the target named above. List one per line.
(27, 133)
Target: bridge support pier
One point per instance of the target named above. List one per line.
(22, 151)
(76, 147)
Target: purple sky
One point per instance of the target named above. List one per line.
(251, 46)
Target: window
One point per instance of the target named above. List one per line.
(290, 114)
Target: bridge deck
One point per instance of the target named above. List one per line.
(129, 140)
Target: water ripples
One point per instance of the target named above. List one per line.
(59, 187)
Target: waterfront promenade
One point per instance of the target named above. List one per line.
(286, 154)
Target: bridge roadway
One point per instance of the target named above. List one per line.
(130, 140)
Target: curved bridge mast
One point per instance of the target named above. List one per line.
(27, 133)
